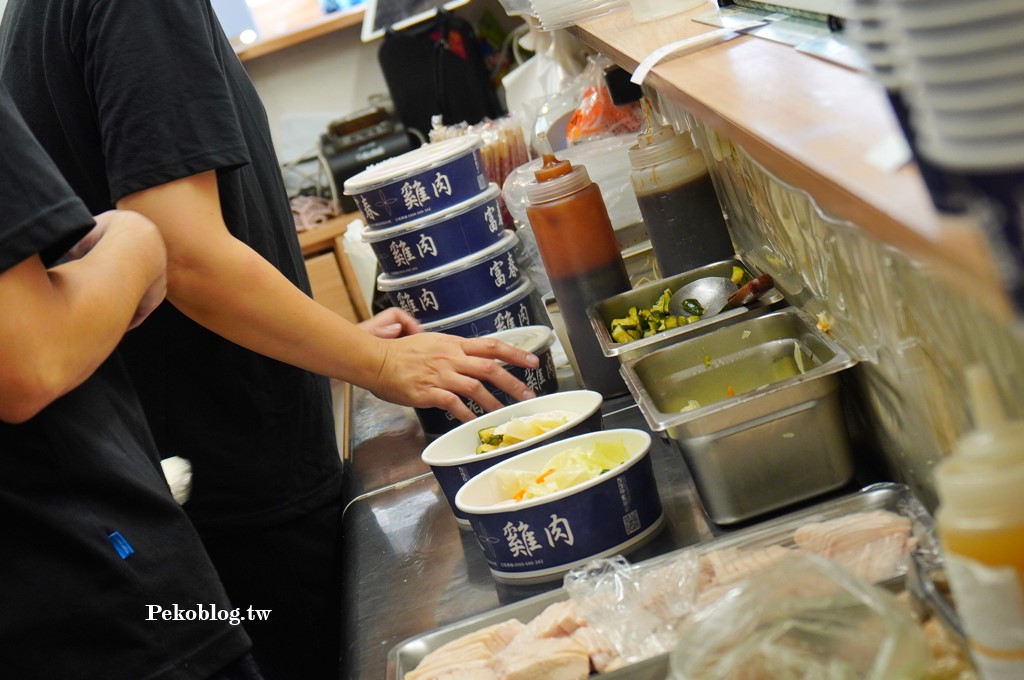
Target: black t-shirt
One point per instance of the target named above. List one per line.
(82, 469)
(129, 94)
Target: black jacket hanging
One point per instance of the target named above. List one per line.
(435, 67)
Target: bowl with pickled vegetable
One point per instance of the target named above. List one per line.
(553, 508)
(464, 452)
(639, 321)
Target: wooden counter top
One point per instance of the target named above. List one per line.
(812, 124)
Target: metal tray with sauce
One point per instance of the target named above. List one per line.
(755, 410)
(896, 498)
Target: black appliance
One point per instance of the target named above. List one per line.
(357, 141)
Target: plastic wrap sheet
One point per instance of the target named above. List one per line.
(640, 610)
(803, 617)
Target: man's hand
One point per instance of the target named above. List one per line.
(433, 369)
(224, 285)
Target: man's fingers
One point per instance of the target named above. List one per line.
(483, 371)
(489, 371)
(450, 402)
(491, 348)
(476, 390)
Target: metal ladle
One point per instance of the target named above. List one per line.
(716, 293)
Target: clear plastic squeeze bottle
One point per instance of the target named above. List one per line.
(980, 521)
(677, 199)
(581, 256)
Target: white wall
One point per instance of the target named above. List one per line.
(307, 85)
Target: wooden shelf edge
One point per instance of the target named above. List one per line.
(321, 238)
(809, 123)
(329, 23)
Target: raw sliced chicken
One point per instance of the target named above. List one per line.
(559, 658)
(603, 655)
(726, 565)
(558, 644)
(479, 669)
(873, 545)
(558, 619)
(480, 645)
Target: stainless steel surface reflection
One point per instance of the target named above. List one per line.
(386, 442)
(411, 569)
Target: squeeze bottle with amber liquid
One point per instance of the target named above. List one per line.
(980, 521)
(581, 257)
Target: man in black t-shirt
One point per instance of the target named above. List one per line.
(93, 543)
(144, 106)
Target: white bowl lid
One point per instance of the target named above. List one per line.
(411, 163)
(532, 339)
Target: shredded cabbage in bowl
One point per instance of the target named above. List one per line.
(566, 469)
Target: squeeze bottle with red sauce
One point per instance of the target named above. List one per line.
(980, 521)
(581, 257)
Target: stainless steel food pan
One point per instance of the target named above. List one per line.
(766, 429)
(602, 313)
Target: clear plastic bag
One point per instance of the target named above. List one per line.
(596, 115)
(640, 609)
(804, 617)
(582, 110)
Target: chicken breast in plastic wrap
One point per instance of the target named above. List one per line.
(874, 545)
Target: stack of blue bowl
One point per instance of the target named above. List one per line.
(435, 226)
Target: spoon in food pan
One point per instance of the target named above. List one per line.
(716, 293)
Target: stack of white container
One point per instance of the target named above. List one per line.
(954, 71)
(554, 14)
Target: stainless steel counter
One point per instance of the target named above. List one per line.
(385, 444)
(410, 569)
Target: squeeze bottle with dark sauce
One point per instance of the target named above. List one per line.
(581, 256)
(677, 200)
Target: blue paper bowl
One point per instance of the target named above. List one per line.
(452, 459)
(510, 311)
(424, 181)
(541, 538)
(542, 380)
(459, 286)
(438, 239)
